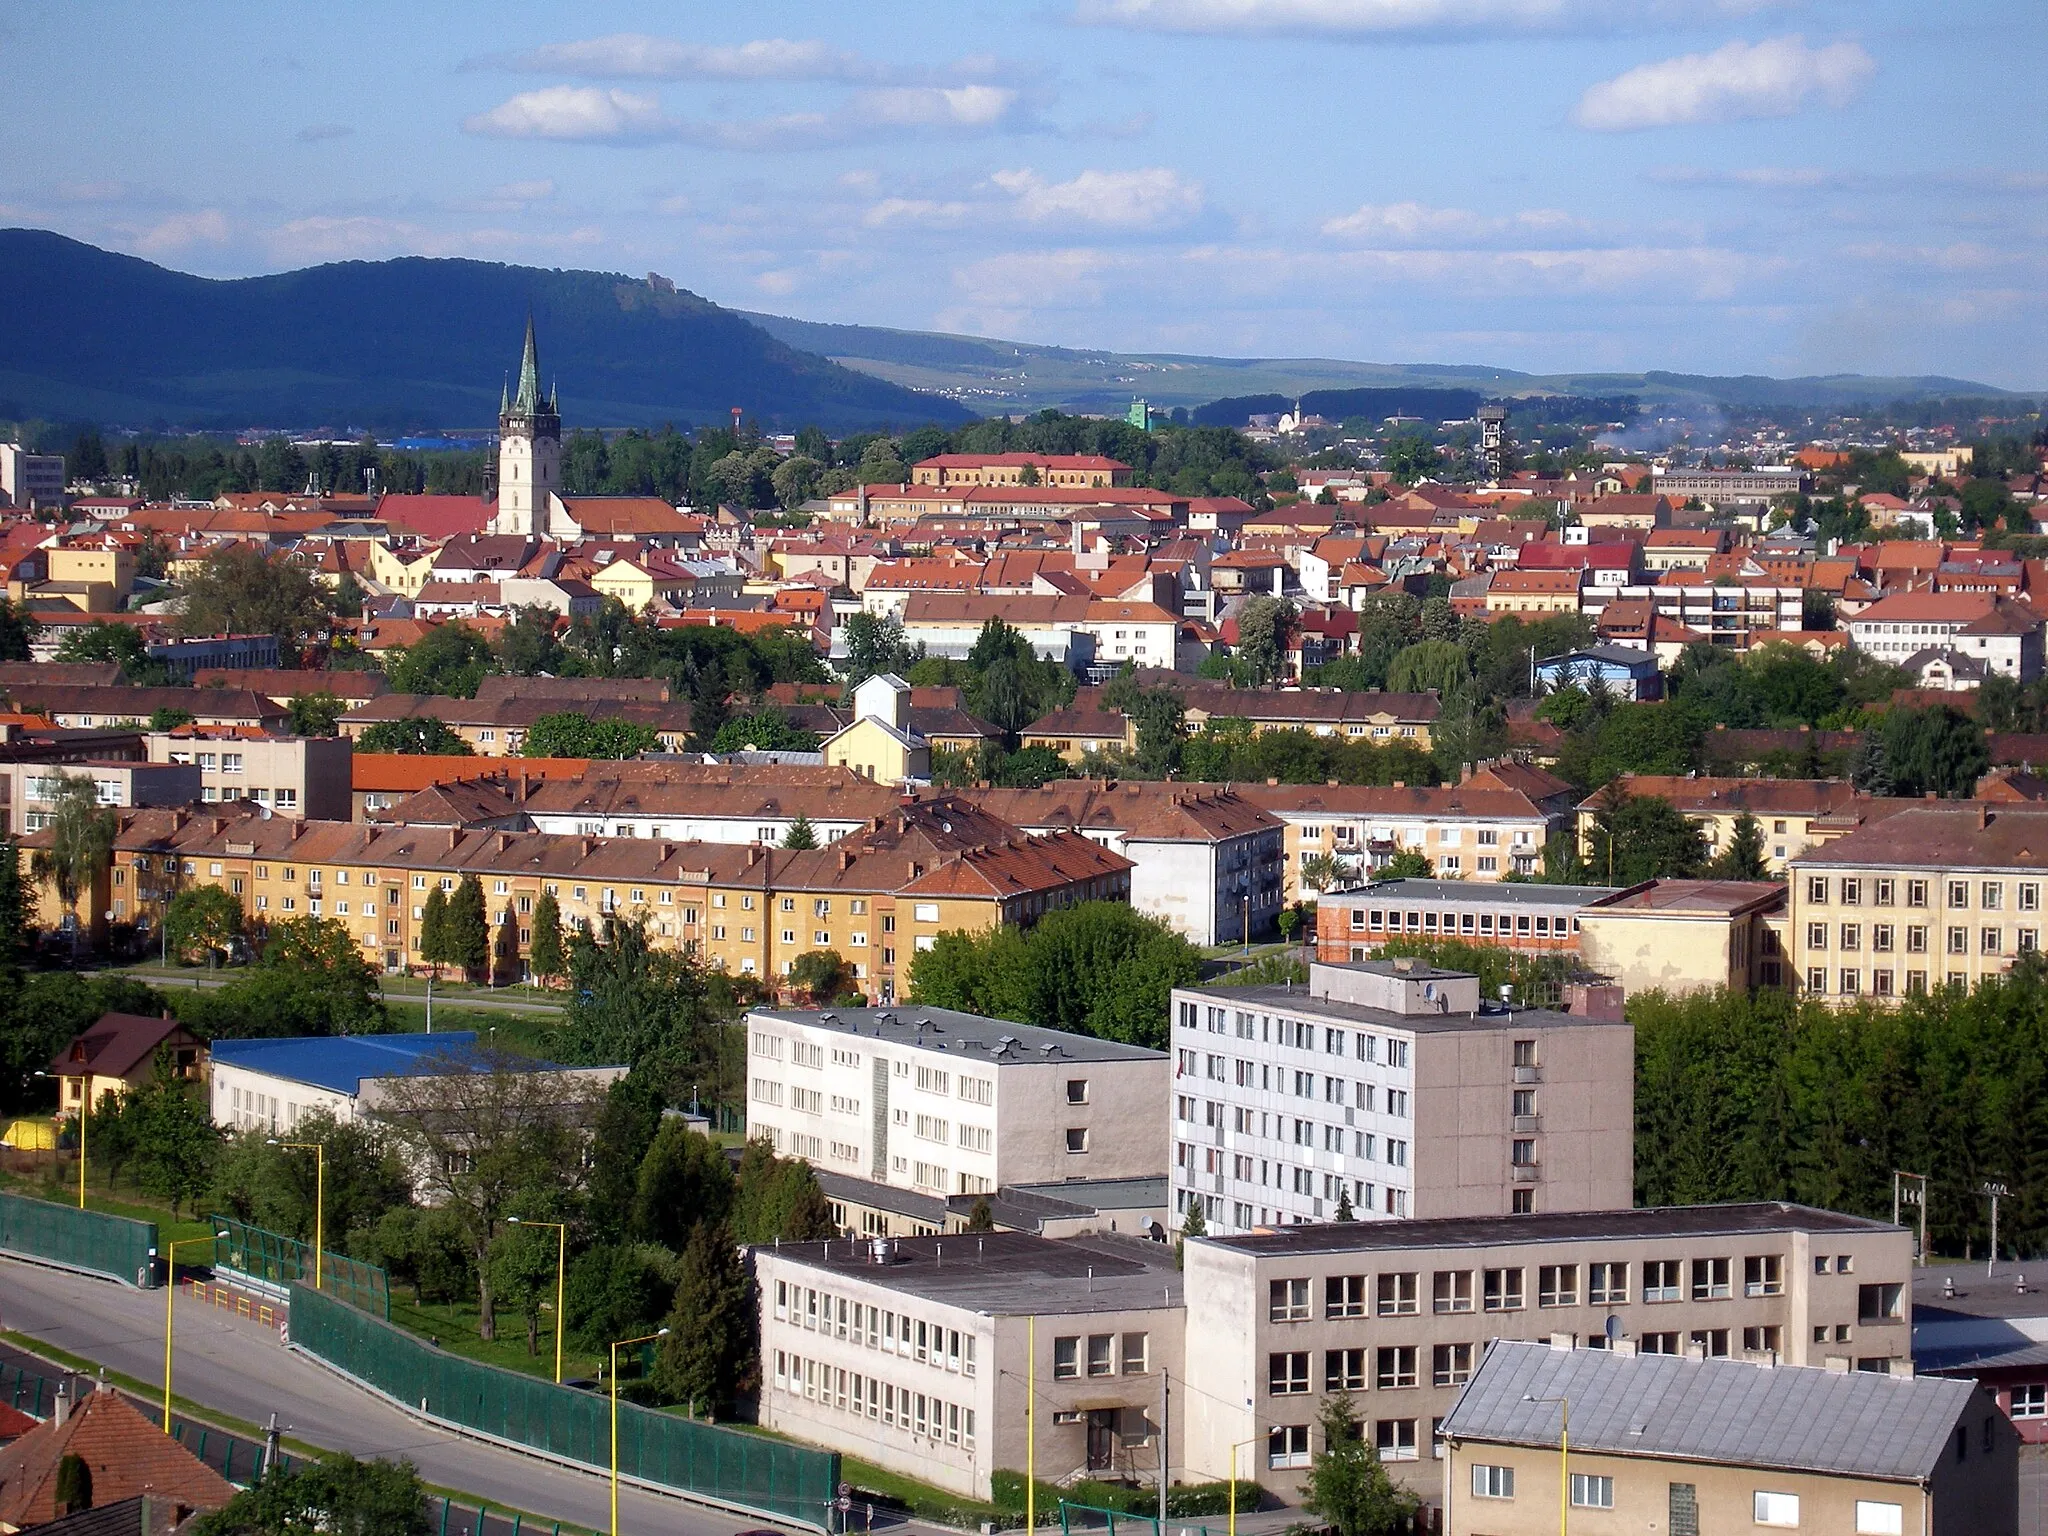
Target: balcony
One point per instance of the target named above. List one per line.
(1525, 1173)
(1528, 1074)
(1527, 1123)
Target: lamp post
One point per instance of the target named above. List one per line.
(84, 1109)
(319, 1198)
(1255, 1439)
(170, 1294)
(1564, 1457)
(561, 1271)
(659, 1333)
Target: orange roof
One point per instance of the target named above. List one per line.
(404, 772)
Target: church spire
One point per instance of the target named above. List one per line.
(528, 401)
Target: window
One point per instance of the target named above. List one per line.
(1395, 1439)
(1607, 1284)
(1287, 1300)
(1077, 1090)
(1452, 1291)
(1817, 890)
(1287, 1446)
(1763, 1275)
(1777, 1508)
(1504, 1290)
(1077, 1139)
(1102, 1355)
(1492, 1482)
(1769, 1339)
(1066, 1359)
(1660, 1280)
(1875, 1518)
(1557, 1285)
(1709, 1279)
(1991, 895)
(1395, 1367)
(1287, 1373)
(1396, 1296)
(1450, 1365)
(1343, 1370)
(1959, 893)
(1592, 1492)
(1135, 1354)
(1879, 1303)
(1344, 1296)
(1916, 893)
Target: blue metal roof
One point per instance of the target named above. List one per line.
(339, 1063)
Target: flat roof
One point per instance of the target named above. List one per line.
(1301, 1001)
(1505, 893)
(1736, 1220)
(1007, 1273)
(1716, 897)
(342, 1063)
(999, 1042)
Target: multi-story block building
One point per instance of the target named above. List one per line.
(1398, 1313)
(921, 1354)
(952, 1103)
(29, 791)
(1537, 919)
(2002, 633)
(1385, 1086)
(1936, 894)
(291, 775)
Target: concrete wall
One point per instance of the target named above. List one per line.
(1664, 951)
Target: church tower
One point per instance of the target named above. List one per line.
(529, 451)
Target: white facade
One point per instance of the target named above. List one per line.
(950, 1103)
(686, 827)
(30, 479)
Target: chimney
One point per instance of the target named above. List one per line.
(845, 859)
(1983, 816)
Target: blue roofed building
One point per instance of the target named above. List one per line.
(273, 1084)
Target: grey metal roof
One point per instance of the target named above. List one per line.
(967, 1035)
(1498, 893)
(1726, 1412)
(1306, 1004)
(1008, 1273)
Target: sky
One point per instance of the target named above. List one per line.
(1724, 186)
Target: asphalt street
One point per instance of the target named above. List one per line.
(238, 1367)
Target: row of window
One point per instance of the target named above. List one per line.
(1108, 1354)
(1884, 982)
(1541, 925)
(1398, 1294)
(1267, 1078)
(1852, 891)
(1591, 1490)
(1301, 1035)
(852, 1392)
(1884, 938)
(896, 1333)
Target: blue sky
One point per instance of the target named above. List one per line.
(1774, 186)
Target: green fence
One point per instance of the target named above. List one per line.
(753, 1472)
(1088, 1520)
(63, 1234)
(272, 1260)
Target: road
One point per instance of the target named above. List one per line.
(173, 981)
(238, 1367)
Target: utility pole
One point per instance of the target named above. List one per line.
(1911, 1189)
(1994, 1193)
(1165, 1440)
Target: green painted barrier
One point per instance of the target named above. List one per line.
(749, 1472)
(277, 1262)
(114, 1246)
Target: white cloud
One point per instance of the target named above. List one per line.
(575, 112)
(921, 211)
(1773, 78)
(639, 56)
(207, 226)
(1412, 223)
(1145, 199)
(1076, 275)
(1339, 18)
(961, 106)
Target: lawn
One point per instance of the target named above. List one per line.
(453, 1325)
(124, 1200)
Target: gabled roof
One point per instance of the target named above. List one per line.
(127, 1455)
(115, 1045)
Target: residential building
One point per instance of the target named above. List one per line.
(119, 1053)
(86, 707)
(2002, 632)
(1091, 470)
(1939, 893)
(1679, 936)
(1784, 809)
(136, 1470)
(1381, 718)
(496, 726)
(292, 775)
(707, 802)
(30, 480)
(1058, 1208)
(1731, 487)
(1398, 1313)
(1534, 592)
(380, 780)
(921, 1355)
(1735, 612)
(879, 744)
(271, 1085)
(1076, 735)
(1387, 1087)
(1205, 859)
(29, 790)
(1695, 1445)
(1534, 918)
(952, 1103)
(1625, 672)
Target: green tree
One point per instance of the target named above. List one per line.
(1346, 1487)
(239, 590)
(435, 946)
(875, 645)
(16, 931)
(659, 1011)
(522, 1262)
(796, 480)
(801, 834)
(981, 1217)
(1408, 864)
(708, 1358)
(1262, 625)
(335, 1495)
(1934, 750)
(166, 718)
(17, 628)
(317, 714)
(778, 1199)
(205, 918)
(529, 646)
(415, 736)
(1326, 871)
(822, 974)
(279, 1187)
(570, 733)
(468, 932)
(546, 955)
(1743, 858)
(450, 659)
(684, 1182)
(1162, 731)
(104, 640)
(625, 1129)
(766, 730)
(1642, 837)
(82, 833)
(169, 1138)
(1429, 665)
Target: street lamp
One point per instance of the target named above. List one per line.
(561, 1270)
(1564, 1457)
(170, 1294)
(1255, 1439)
(319, 1196)
(659, 1333)
(84, 1109)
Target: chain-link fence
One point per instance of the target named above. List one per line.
(747, 1471)
(270, 1261)
(63, 1234)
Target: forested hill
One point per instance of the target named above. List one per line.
(414, 342)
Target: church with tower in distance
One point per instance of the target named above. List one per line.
(530, 500)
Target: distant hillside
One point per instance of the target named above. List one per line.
(993, 376)
(390, 344)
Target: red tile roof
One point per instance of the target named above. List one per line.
(127, 1456)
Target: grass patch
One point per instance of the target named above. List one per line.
(453, 1324)
(124, 1200)
(525, 1033)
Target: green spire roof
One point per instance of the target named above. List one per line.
(528, 401)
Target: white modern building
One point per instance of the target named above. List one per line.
(291, 775)
(1387, 1086)
(30, 479)
(952, 1103)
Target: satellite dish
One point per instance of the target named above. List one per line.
(1429, 990)
(1613, 1330)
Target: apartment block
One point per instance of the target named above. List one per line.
(1785, 809)
(1399, 1313)
(1942, 893)
(921, 1354)
(1388, 1085)
(28, 791)
(291, 775)
(952, 1103)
